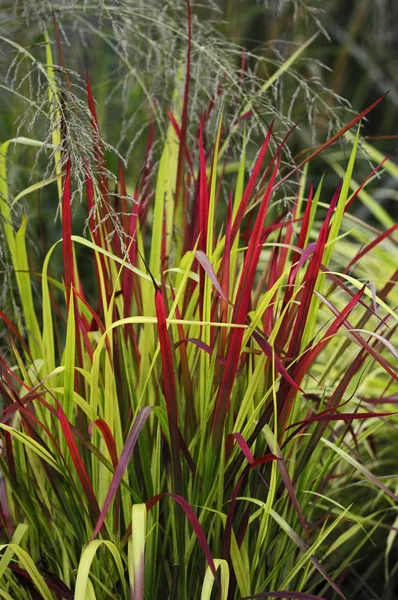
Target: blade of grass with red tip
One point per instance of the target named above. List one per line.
(79, 465)
(169, 387)
(190, 414)
(253, 464)
(206, 264)
(177, 130)
(310, 279)
(193, 521)
(240, 313)
(285, 403)
(250, 186)
(122, 464)
(333, 139)
(110, 444)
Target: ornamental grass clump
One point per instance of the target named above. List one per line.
(209, 412)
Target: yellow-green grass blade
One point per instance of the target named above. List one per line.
(333, 235)
(208, 581)
(21, 266)
(28, 564)
(367, 291)
(55, 114)
(165, 192)
(367, 199)
(86, 243)
(360, 468)
(17, 537)
(35, 187)
(289, 62)
(340, 208)
(137, 549)
(17, 254)
(86, 559)
(48, 328)
(32, 444)
(208, 288)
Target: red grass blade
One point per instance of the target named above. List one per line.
(203, 346)
(108, 437)
(122, 464)
(309, 357)
(328, 418)
(310, 279)
(10, 325)
(61, 54)
(98, 150)
(177, 130)
(79, 465)
(333, 139)
(240, 440)
(54, 584)
(358, 191)
(280, 368)
(372, 244)
(194, 523)
(205, 263)
(123, 195)
(250, 185)
(240, 312)
(169, 387)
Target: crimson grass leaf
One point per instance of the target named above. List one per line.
(333, 139)
(247, 194)
(207, 266)
(169, 387)
(123, 463)
(108, 437)
(193, 519)
(240, 440)
(78, 463)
